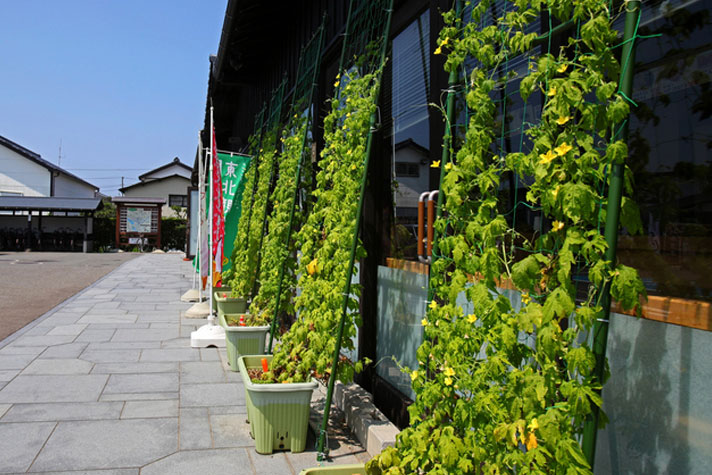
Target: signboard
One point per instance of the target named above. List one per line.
(138, 220)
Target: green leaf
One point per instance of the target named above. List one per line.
(627, 287)
(630, 216)
(525, 272)
(558, 304)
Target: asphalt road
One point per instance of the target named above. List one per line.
(31, 283)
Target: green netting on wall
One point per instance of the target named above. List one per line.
(507, 375)
(246, 199)
(277, 277)
(248, 245)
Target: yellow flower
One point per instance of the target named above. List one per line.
(533, 425)
(531, 441)
(563, 149)
(438, 50)
(526, 298)
(562, 68)
(433, 305)
(449, 372)
(448, 166)
(435, 164)
(424, 322)
(353, 167)
(336, 84)
(448, 381)
(414, 375)
(312, 267)
(562, 120)
(547, 157)
(472, 318)
(556, 190)
(557, 226)
(552, 92)
(445, 41)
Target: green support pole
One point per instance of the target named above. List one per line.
(315, 70)
(354, 244)
(253, 163)
(600, 328)
(447, 145)
(273, 124)
(273, 324)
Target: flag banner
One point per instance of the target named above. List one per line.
(218, 218)
(233, 173)
(204, 252)
(234, 167)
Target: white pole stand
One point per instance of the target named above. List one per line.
(198, 310)
(192, 295)
(209, 334)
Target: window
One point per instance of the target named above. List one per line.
(178, 200)
(406, 169)
(407, 122)
(670, 143)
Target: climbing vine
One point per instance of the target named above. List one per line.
(240, 244)
(247, 255)
(305, 351)
(276, 252)
(505, 381)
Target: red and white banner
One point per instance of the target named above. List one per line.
(218, 224)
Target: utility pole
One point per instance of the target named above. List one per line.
(59, 159)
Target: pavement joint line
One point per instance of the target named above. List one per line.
(252, 462)
(56, 423)
(140, 468)
(14, 336)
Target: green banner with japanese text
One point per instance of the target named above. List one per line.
(233, 171)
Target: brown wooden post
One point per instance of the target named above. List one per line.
(39, 230)
(118, 224)
(158, 245)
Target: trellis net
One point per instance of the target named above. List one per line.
(277, 270)
(247, 257)
(506, 378)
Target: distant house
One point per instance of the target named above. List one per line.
(25, 173)
(43, 206)
(169, 181)
(412, 174)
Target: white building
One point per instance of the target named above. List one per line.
(169, 181)
(25, 173)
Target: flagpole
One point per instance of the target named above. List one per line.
(212, 237)
(199, 243)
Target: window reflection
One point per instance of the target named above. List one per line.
(671, 150)
(409, 131)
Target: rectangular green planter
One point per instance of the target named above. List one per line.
(278, 413)
(221, 290)
(229, 304)
(357, 468)
(242, 340)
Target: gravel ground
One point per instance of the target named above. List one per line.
(32, 283)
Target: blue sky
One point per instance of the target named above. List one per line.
(122, 83)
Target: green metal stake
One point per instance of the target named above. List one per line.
(354, 243)
(600, 327)
(273, 124)
(315, 70)
(255, 165)
(445, 157)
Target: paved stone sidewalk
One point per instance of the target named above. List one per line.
(107, 383)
